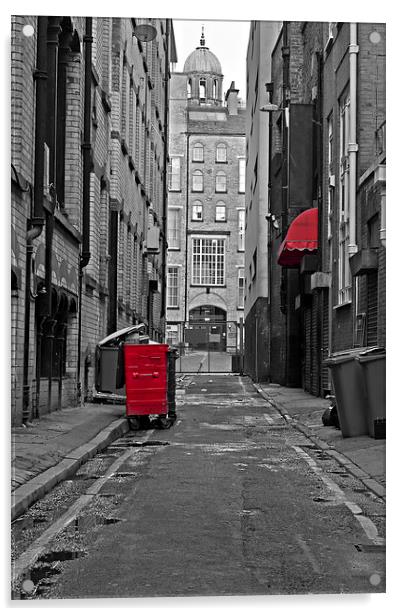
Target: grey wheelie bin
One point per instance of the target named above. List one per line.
(372, 364)
(350, 392)
(106, 362)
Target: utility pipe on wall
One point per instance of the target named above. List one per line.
(353, 147)
(36, 223)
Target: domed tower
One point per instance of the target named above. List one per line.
(204, 82)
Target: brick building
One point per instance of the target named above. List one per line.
(89, 112)
(327, 169)
(206, 198)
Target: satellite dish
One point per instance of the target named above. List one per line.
(145, 33)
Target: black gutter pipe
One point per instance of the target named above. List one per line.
(87, 165)
(164, 183)
(37, 220)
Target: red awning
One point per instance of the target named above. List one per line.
(302, 237)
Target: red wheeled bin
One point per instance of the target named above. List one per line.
(146, 378)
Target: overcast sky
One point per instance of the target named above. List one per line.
(228, 40)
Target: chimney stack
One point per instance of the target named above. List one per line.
(232, 101)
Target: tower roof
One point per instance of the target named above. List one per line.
(202, 60)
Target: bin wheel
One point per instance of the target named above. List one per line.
(164, 422)
(133, 422)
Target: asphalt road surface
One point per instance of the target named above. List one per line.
(231, 500)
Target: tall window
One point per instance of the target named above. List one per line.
(174, 176)
(240, 288)
(221, 153)
(220, 212)
(203, 88)
(196, 211)
(189, 88)
(220, 182)
(241, 218)
(173, 234)
(173, 287)
(242, 175)
(198, 153)
(198, 181)
(215, 89)
(208, 261)
(344, 275)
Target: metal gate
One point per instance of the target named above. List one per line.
(207, 346)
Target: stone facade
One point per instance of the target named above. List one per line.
(206, 195)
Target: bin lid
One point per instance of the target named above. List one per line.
(347, 355)
(121, 334)
(371, 354)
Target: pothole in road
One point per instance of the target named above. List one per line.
(39, 578)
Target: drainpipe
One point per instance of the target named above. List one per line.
(285, 188)
(86, 148)
(36, 223)
(187, 214)
(164, 181)
(353, 147)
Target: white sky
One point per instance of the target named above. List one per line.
(228, 40)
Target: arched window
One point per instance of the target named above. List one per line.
(221, 153)
(220, 182)
(198, 153)
(203, 89)
(198, 181)
(215, 89)
(196, 213)
(220, 212)
(189, 85)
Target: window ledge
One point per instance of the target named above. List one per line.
(348, 303)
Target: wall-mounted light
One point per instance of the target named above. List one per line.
(273, 221)
(144, 33)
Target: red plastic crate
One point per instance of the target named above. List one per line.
(145, 368)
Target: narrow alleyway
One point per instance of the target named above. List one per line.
(232, 500)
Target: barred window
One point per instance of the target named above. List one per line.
(173, 287)
(208, 261)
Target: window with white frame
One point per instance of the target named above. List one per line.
(242, 175)
(208, 261)
(221, 153)
(220, 182)
(196, 213)
(240, 288)
(198, 153)
(241, 219)
(173, 287)
(174, 174)
(173, 230)
(344, 274)
(197, 181)
(220, 212)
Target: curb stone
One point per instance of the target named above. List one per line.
(370, 483)
(25, 495)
